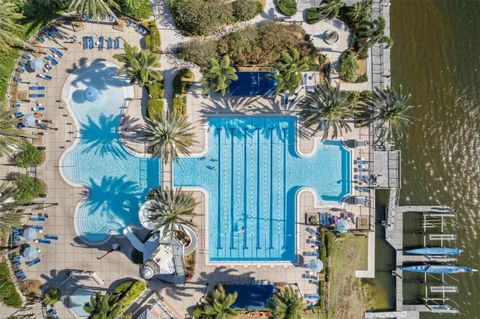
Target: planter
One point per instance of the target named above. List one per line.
(331, 37)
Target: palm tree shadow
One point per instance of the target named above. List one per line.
(98, 75)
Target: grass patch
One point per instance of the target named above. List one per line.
(8, 292)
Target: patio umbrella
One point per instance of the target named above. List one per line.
(37, 64)
(29, 120)
(30, 233)
(91, 94)
(342, 226)
(30, 253)
(315, 265)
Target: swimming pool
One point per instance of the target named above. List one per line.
(253, 84)
(117, 180)
(252, 173)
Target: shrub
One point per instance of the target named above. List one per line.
(152, 40)
(286, 7)
(348, 67)
(52, 296)
(312, 15)
(28, 188)
(8, 292)
(199, 52)
(127, 292)
(189, 262)
(362, 78)
(244, 10)
(28, 156)
(154, 108)
(139, 10)
(155, 90)
(181, 83)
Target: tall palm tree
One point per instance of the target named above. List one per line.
(8, 15)
(286, 304)
(217, 305)
(101, 307)
(10, 137)
(139, 66)
(168, 135)
(95, 8)
(9, 214)
(330, 9)
(361, 11)
(386, 111)
(290, 67)
(326, 108)
(370, 33)
(171, 210)
(219, 75)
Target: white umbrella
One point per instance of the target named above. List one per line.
(29, 120)
(37, 64)
(30, 233)
(315, 265)
(30, 253)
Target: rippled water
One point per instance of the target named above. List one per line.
(436, 57)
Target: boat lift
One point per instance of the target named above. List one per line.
(441, 303)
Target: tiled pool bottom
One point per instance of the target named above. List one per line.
(252, 173)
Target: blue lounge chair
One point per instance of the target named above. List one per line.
(23, 63)
(37, 95)
(330, 219)
(312, 296)
(91, 43)
(18, 79)
(117, 43)
(21, 70)
(314, 232)
(313, 242)
(51, 237)
(49, 34)
(57, 52)
(85, 43)
(18, 114)
(51, 58)
(20, 126)
(44, 241)
(16, 105)
(52, 312)
(101, 41)
(110, 43)
(16, 258)
(19, 273)
(310, 254)
(27, 57)
(17, 264)
(45, 76)
(37, 88)
(85, 17)
(38, 227)
(34, 262)
(285, 99)
(39, 108)
(38, 219)
(22, 279)
(322, 219)
(129, 23)
(41, 38)
(16, 239)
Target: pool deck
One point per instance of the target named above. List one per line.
(69, 253)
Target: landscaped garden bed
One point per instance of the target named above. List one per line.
(181, 82)
(286, 7)
(8, 292)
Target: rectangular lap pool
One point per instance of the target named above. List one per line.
(253, 84)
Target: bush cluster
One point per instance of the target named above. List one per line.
(8, 292)
(127, 292)
(181, 83)
(152, 40)
(29, 156)
(312, 15)
(27, 188)
(260, 44)
(52, 296)
(155, 99)
(286, 7)
(348, 66)
(139, 9)
(203, 17)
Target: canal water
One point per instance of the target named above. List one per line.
(436, 57)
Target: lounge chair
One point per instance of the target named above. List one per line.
(313, 231)
(110, 43)
(41, 38)
(37, 95)
(23, 278)
(362, 189)
(322, 219)
(17, 79)
(38, 219)
(16, 239)
(44, 241)
(51, 237)
(39, 108)
(19, 273)
(57, 52)
(20, 126)
(101, 41)
(21, 70)
(23, 63)
(17, 264)
(312, 296)
(85, 43)
(45, 76)
(38, 227)
(27, 57)
(91, 43)
(16, 258)
(49, 34)
(18, 114)
(117, 43)
(37, 88)
(286, 99)
(313, 242)
(34, 262)
(310, 254)
(52, 59)
(16, 105)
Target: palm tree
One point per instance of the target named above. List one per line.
(94, 8)
(330, 9)
(219, 75)
(10, 137)
(326, 107)
(370, 33)
(386, 111)
(171, 210)
(9, 214)
(286, 304)
(7, 16)
(139, 66)
(290, 67)
(101, 307)
(361, 11)
(217, 305)
(168, 135)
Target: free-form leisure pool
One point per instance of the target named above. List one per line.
(251, 174)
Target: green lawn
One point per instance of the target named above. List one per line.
(8, 292)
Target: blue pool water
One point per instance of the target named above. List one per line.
(252, 173)
(253, 84)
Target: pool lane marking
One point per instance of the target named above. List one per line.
(219, 191)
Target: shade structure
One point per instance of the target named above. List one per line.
(37, 64)
(342, 226)
(315, 265)
(29, 120)
(30, 233)
(30, 253)
(91, 94)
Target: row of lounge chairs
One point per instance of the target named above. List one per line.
(89, 43)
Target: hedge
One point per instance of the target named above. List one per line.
(29, 156)
(286, 7)
(28, 188)
(155, 90)
(141, 10)
(181, 83)
(348, 67)
(312, 15)
(244, 10)
(155, 99)
(127, 292)
(8, 292)
(152, 40)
